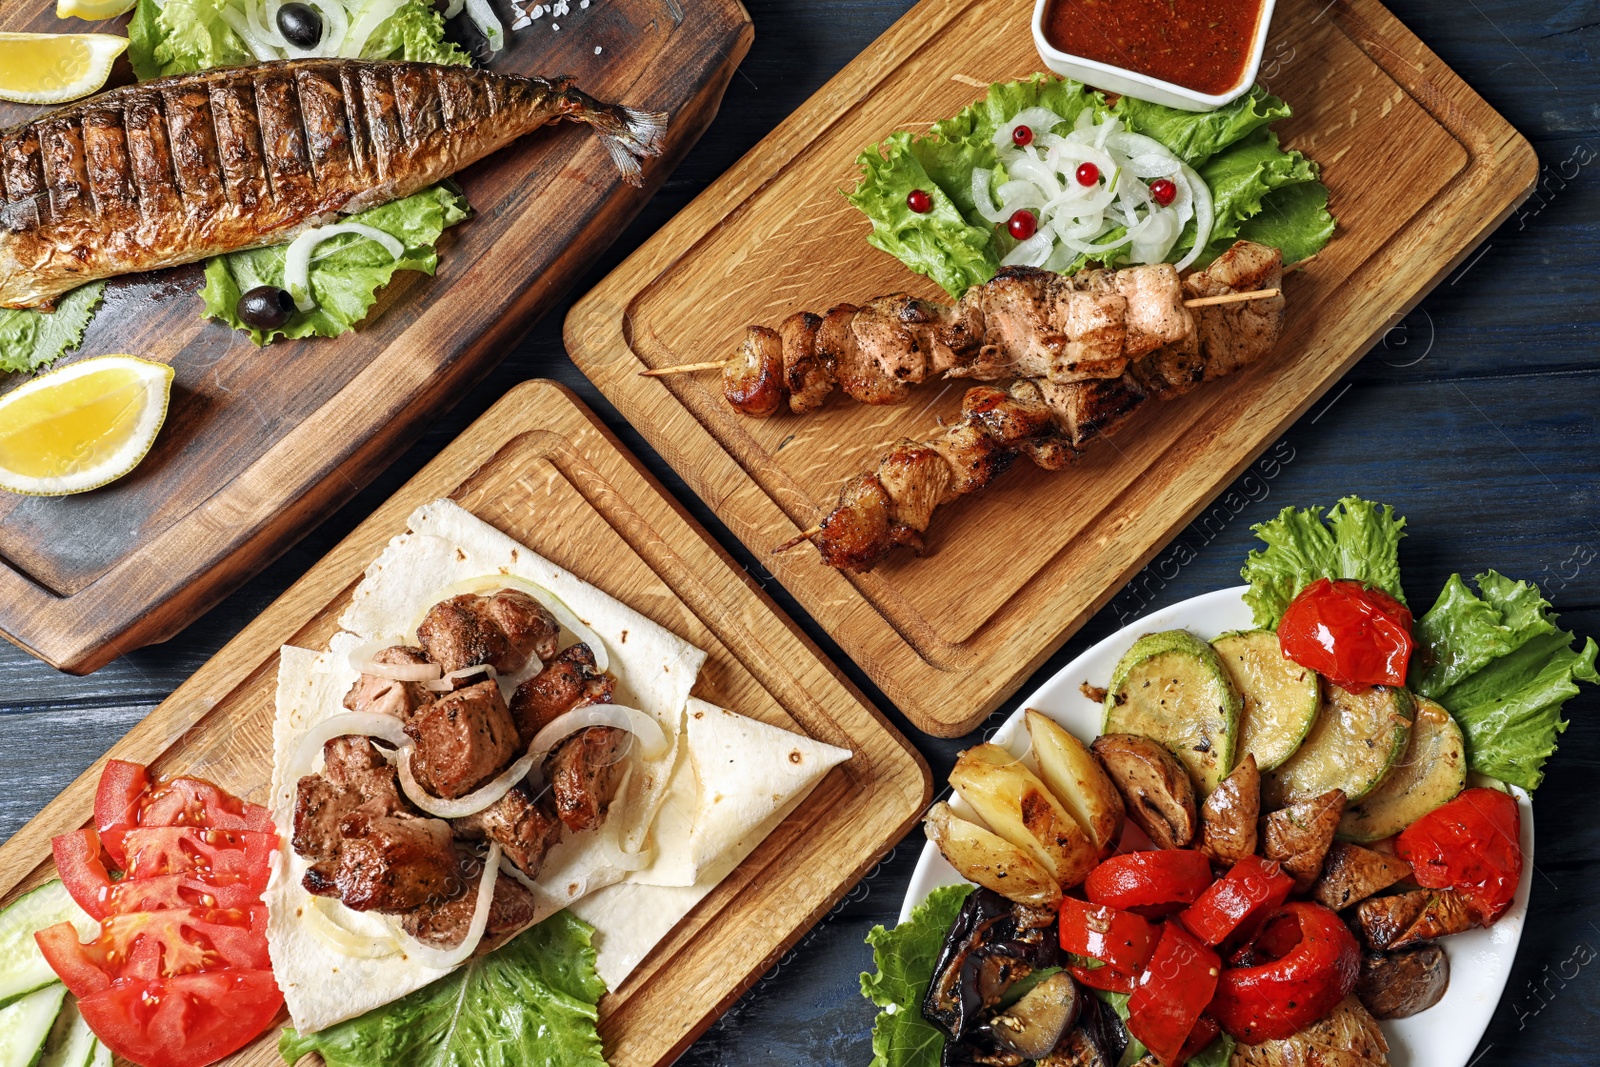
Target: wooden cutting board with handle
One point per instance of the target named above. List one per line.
(261, 444)
(1419, 167)
(542, 469)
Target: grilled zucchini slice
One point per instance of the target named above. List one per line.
(1280, 697)
(1432, 771)
(1172, 688)
(1357, 739)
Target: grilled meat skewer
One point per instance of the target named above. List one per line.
(1048, 422)
(178, 169)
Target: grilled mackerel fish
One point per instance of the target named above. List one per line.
(179, 169)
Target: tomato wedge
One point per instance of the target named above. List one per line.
(1354, 635)
(1238, 902)
(82, 871)
(188, 1021)
(1120, 940)
(157, 944)
(116, 805)
(195, 802)
(163, 891)
(1472, 845)
(1152, 884)
(158, 850)
(1315, 970)
(1173, 992)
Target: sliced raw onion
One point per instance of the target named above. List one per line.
(448, 959)
(1203, 217)
(259, 46)
(454, 8)
(447, 683)
(363, 661)
(652, 741)
(373, 14)
(327, 930)
(488, 23)
(335, 25)
(473, 802)
(355, 723)
(1041, 120)
(1031, 253)
(297, 260)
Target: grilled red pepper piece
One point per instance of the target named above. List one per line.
(1239, 902)
(1354, 635)
(1472, 845)
(1174, 989)
(1150, 883)
(1121, 940)
(1316, 970)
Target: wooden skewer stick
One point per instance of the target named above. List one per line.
(1231, 298)
(1197, 302)
(803, 535)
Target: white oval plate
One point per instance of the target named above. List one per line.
(1480, 960)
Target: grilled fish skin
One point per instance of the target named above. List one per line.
(179, 169)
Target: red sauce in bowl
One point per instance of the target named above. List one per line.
(1202, 45)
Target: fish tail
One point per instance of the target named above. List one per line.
(628, 133)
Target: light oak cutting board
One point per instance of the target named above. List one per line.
(543, 470)
(262, 444)
(1419, 167)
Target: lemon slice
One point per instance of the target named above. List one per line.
(93, 9)
(80, 427)
(52, 68)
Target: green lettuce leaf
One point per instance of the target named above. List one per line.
(414, 32)
(1293, 219)
(345, 282)
(957, 247)
(1498, 662)
(32, 340)
(532, 1003)
(180, 36)
(905, 957)
(1359, 540)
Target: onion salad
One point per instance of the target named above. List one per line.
(1100, 191)
(347, 26)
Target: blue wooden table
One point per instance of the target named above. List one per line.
(1476, 418)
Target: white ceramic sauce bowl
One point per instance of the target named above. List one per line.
(1142, 86)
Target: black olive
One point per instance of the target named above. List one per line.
(300, 25)
(265, 307)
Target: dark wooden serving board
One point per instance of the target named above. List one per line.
(541, 468)
(261, 444)
(1420, 169)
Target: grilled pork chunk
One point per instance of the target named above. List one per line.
(444, 924)
(524, 828)
(388, 863)
(386, 696)
(463, 740)
(354, 776)
(502, 629)
(583, 772)
(568, 681)
(178, 169)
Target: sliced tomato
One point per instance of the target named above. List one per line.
(189, 1021)
(1152, 884)
(83, 870)
(158, 850)
(147, 945)
(163, 891)
(196, 802)
(116, 804)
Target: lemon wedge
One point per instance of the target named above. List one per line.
(93, 9)
(82, 426)
(52, 68)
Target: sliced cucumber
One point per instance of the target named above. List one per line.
(1280, 697)
(1432, 771)
(25, 1024)
(1357, 738)
(71, 1043)
(1172, 688)
(22, 966)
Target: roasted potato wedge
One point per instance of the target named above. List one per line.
(1076, 778)
(1351, 874)
(1155, 787)
(990, 860)
(1228, 817)
(1299, 836)
(1015, 804)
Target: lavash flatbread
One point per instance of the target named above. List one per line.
(654, 669)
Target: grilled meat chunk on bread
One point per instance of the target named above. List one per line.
(388, 863)
(501, 629)
(354, 776)
(568, 681)
(443, 924)
(463, 740)
(376, 694)
(583, 772)
(524, 828)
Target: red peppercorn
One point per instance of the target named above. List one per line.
(919, 201)
(1022, 136)
(1022, 224)
(1163, 191)
(1088, 174)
